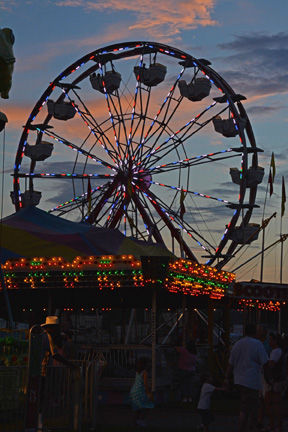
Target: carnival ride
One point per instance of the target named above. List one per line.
(128, 135)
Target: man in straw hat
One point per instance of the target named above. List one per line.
(53, 353)
(54, 350)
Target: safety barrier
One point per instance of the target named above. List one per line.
(69, 397)
(119, 360)
(12, 397)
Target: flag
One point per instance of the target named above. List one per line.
(272, 166)
(270, 181)
(89, 195)
(283, 197)
(182, 206)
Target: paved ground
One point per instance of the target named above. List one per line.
(177, 419)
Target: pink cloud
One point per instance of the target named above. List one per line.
(53, 50)
(17, 115)
(166, 18)
(7, 5)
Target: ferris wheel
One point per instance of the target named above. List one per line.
(144, 138)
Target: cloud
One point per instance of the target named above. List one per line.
(166, 18)
(68, 167)
(257, 41)
(7, 5)
(263, 110)
(258, 66)
(52, 50)
(17, 115)
(63, 188)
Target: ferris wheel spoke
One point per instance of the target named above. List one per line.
(92, 124)
(187, 161)
(107, 98)
(164, 215)
(181, 136)
(100, 204)
(150, 226)
(133, 223)
(76, 201)
(117, 127)
(120, 212)
(115, 203)
(128, 150)
(65, 176)
(121, 117)
(174, 217)
(182, 165)
(104, 216)
(77, 148)
(223, 243)
(144, 113)
(168, 98)
(147, 205)
(199, 194)
(163, 126)
(188, 229)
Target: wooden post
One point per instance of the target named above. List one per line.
(153, 331)
(33, 411)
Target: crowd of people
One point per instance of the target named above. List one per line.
(257, 369)
(258, 364)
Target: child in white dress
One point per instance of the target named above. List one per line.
(204, 404)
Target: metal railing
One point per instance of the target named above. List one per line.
(69, 397)
(12, 397)
(118, 360)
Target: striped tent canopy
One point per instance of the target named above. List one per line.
(32, 232)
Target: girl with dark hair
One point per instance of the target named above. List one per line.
(140, 395)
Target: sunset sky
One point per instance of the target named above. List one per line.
(246, 42)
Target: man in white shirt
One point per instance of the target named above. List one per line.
(246, 360)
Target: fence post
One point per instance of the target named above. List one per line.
(77, 411)
(94, 380)
(33, 379)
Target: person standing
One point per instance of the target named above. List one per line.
(52, 356)
(204, 404)
(247, 358)
(187, 363)
(262, 335)
(274, 376)
(140, 394)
